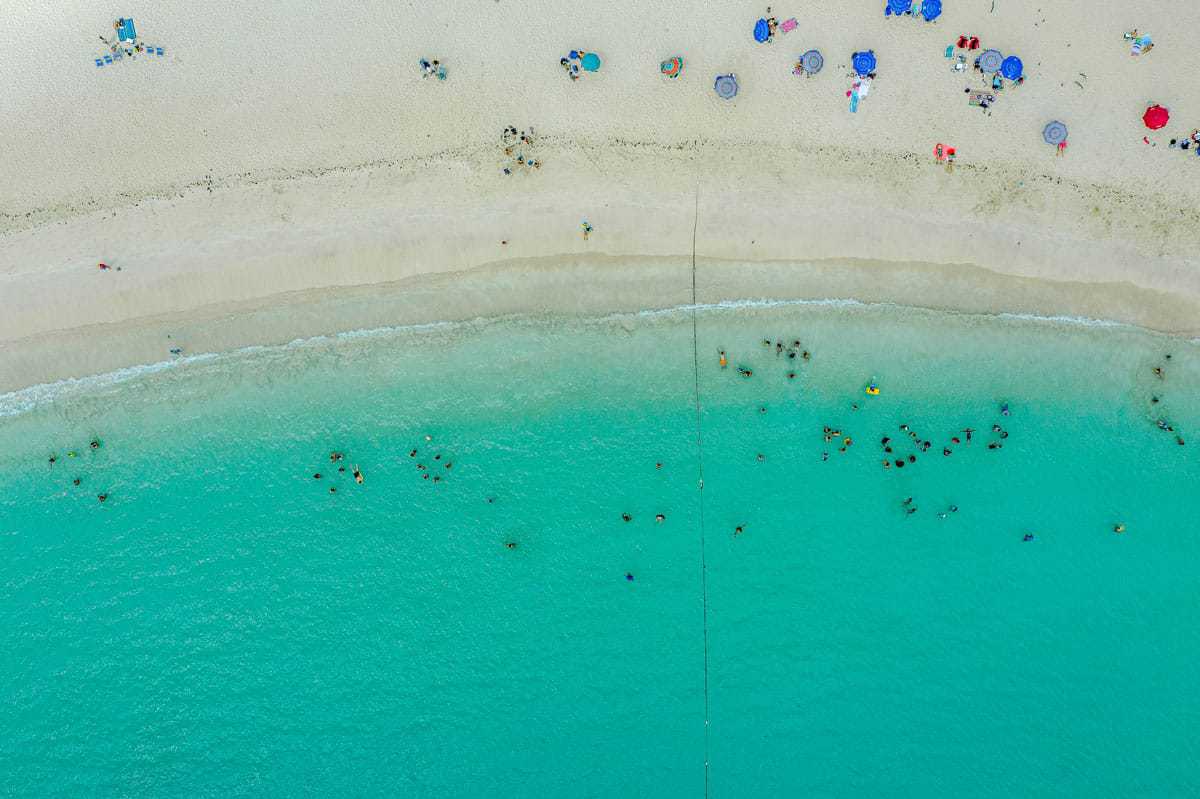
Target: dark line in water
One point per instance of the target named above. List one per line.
(700, 471)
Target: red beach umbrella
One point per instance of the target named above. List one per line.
(1155, 117)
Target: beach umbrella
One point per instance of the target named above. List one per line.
(762, 31)
(931, 9)
(1011, 67)
(590, 62)
(672, 67)
(898, 7)
(726, 86)
(864, 62)
(1155, 117)
(990, 60)
(1055, 133)
(811, 62)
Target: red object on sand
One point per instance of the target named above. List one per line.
(1155, 117)
(102, 265)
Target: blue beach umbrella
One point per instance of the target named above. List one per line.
(898, 7)
(726, 86)
(1055, 133)
(1011, 67)
(931, 9)
(864, 62)
(762, 31)
(989, 60)
(590, 62)
(811, 62)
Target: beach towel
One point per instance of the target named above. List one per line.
(1139, 44)
(863, 87)
(788, 25)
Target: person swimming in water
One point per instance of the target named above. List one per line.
(1028, 537)
(1118, 528)
(76, 481)
(723, 360)
(95, 443)
(660, 518)
(738, 530)
(102, 497)
(629, 577)
(510, 544)
(358, 478)
(334, 457)
(1158, 372)
(744, 372)
(1004, 409)
(625, 517)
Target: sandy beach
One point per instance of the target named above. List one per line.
(286, 172)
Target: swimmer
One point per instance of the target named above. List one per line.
(95, 443)
(995, 428)
(946, 451)
(332, 490)
(1179, 440)
(334, 457)
(1158, 372)
(887, 464)
(744, 372)
(429, 438)
(1004, 434)
(491, 500)
(412, 453)
(847, 441)
(341, 469)
(883, 442)
(625, 517)
(658, 465)
(912, 510)
(425, 476)
(778, 348)
(76, 481)
(1028, 537)
(912, 458)
(888, 450)
(907, 502)
(904, 428)
(449, 464)
(791, 356)
(762, 458)
(762, 409)
(316, 475)
(437, 457)
(994, 445)
(942, 515)
(629, 576)
(437, 478)
(954, 509)
(766, 342)
(358, 478)
(510, 544)
(1162, 425)
(1118, 528)
(660, 518)
(723, 360)
(53, 458)
(791, 375)
(72, 454)
(968, 431)
(954, 440)
(899, 463)
(1004, 409)
(738, 530)
(102, 497)
(1154, 400)
(804, 355)
(420, 467)
(824, 456)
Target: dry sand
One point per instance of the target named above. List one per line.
(287, 172)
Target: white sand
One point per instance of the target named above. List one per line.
(275, 155)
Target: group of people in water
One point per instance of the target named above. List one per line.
(77, 481)
(1161, 422)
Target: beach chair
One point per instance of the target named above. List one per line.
(126, 33)
(99, 62)
(108, 59)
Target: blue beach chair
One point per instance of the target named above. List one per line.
(126, 32)
(158, 51)
(108, 59)
(99, 62)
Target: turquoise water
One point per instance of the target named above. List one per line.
(223, 625)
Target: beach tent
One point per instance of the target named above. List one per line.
(864, 62)
(811, 62)
(1055, 133)
(897, 7)
(590, 61)
(726, 86)
(1011, 67)
(990, 60)
(125, 31)
(931, 9)
(1156, 116)
(672, 67)
(762, 31)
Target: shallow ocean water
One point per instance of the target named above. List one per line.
(223, 625)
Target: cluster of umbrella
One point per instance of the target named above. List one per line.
(672, 66)
(1156, 117)
(929, 9)
(994, 61)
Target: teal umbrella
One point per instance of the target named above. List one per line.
(590, 62)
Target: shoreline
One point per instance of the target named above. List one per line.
(18, 400)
